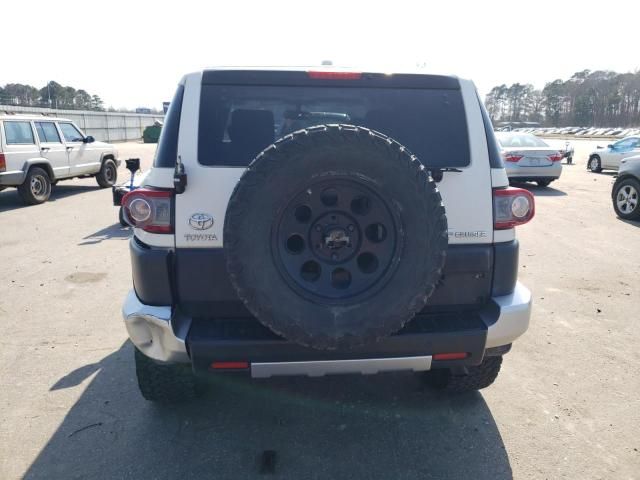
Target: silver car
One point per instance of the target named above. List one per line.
(528, 159)
(626, 189)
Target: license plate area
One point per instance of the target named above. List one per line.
(535, 162)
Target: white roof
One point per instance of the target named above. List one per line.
(22, 116)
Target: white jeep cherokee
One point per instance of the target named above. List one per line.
(312, 222)
(37, 151)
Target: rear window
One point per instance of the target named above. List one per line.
(237, 122)
(167, 151)
(18, 133)
(524, 140)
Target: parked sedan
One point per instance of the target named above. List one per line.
(626, 189)
(610, 157)
(529, 159)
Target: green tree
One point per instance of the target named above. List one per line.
(19, 94)
(97, 103)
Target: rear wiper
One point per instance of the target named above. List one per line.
(438, 173)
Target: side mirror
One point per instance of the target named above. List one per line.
(611, 146)
(89, 139)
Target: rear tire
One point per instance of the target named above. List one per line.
(479, 377)
(36, 187)
(108, 174)
(165, 383)
(594, 164)
(543, 183)
(626, 199)
(121, 219)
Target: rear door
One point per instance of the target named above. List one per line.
(240, 113)
(83, 158)
(52, 148)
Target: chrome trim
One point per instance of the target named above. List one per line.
(515, 312)
(365, 366)
(151, 332)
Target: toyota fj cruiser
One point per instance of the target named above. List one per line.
(313, 222)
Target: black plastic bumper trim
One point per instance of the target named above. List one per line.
(151, 269)
(505, 268)
(236, 339)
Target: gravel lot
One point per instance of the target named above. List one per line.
(566, 404)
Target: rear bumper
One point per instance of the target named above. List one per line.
(552, 172)
(168, 336)
(12, 179)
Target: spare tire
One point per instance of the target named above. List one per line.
(335, 236)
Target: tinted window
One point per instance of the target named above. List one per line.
(237, 122)
(47, 132)
(70, 132)
(511, 140)
(626, 143)
(18, 133)
(167, 151)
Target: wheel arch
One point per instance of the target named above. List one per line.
(38, 162)
(107, 156)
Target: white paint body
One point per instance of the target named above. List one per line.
(66, 157)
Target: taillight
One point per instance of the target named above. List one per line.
(512, 207)
(149, 210)
(512, 158)
(3, 162)
(335, 75)
(556, 157)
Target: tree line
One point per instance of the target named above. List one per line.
(52, 95)
(587, 99)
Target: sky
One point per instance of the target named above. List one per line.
(132, 53)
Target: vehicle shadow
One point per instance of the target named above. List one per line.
(116, 231)
(633, 223)
(10, 200)
(385, 426)
(539, 191)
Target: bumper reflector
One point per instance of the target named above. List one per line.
(229, 365)
(450, 356)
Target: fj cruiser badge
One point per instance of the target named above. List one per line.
(201, 221)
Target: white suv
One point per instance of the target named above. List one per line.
(37, 151)
(312, 222)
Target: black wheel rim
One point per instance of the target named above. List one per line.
(337, 239)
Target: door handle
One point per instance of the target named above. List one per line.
(69, 148)
(44, 149)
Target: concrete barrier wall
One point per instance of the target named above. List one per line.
(104, 126)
